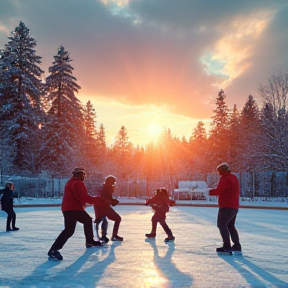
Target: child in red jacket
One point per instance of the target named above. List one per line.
(160, 203)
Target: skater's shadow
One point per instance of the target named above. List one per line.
(254, 275)
(38, 275)
(166, 266)
(86, 271)
(89, 276)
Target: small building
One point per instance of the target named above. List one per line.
(191, 190)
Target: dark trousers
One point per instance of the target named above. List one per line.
(70, 220)
(226, 224)
(11, 218)
(160, 218)
(104, 226)
(112, 215)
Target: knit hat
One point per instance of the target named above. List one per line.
(9, 184)
(223, 168)
(78, 170)
(110, 179)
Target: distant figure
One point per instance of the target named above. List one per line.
(106, 211)
(228, 190)
(74, 200)
(7, 205)
(160, 203)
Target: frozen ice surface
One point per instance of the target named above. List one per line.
(189, 262)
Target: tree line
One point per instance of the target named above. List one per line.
(45, 129)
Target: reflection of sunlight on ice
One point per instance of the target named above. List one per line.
(155, 281)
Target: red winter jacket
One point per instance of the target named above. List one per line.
(228, 190)
(76, 196)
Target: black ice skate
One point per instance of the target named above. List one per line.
(93, 244)
(169, 239)
(116, 238)
(104, 239)
(236, 249)
(150, 235)
(224, 251)
(55, 255)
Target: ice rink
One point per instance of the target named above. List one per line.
(189, 262)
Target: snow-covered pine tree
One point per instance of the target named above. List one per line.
(275, 122)
(64, 131)
(250, 125)
(101, 138)
(198, 146)
(91, 148)
(236, 133)
(122, 151)
(219, 137)
(21, 88)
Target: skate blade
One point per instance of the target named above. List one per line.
(224, 253)
(52, 259)
(237, 253)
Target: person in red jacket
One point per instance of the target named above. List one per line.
(74, 200)
(160, 203)
(228, 192)
(106, 211)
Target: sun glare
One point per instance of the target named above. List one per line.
(154, 129)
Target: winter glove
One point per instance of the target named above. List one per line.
(115, 202)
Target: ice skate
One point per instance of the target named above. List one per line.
(236, 249)
(224, 251)
(93, 244)
(55, 255)
(169, 239)
(116, 238)
(150, 236)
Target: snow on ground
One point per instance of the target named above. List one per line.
(280, 202)
(189, 262)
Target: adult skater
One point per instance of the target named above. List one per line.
(7, 205)
(74, 200)
(228, 190)
(160, 203)
(106, 211)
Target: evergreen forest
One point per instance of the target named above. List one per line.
(46, 131)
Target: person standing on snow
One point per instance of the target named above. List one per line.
(106, 211)
(74, 200)
(7, 205)
(228, 192)
(160, 203)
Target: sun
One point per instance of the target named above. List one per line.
(154, 129)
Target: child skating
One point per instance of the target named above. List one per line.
(160, 203)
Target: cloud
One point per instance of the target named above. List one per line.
(171, 54)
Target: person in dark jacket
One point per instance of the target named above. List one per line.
(106, 211)
(7, 205)
(74, 200)
(228, 192)
(160, 203)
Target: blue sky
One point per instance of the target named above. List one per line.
(143, 61)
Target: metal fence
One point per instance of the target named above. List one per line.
(253, 184)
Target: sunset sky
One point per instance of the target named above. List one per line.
(149, 64)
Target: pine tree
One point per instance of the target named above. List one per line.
(199, 155)
(219, 138)
(64, 131)
(250, 125)
(235, 132)
(122, 151)
(273, 142)
(21, 89)
(275, 122)
(92, 151)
